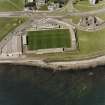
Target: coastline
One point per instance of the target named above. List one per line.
(58, 66)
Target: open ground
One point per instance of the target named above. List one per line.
(11, 5)
(7, 25)
(84, 5)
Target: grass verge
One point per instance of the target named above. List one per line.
(84, 5)
(11, 5)
(8, 24)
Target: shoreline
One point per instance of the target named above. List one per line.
(59, 66)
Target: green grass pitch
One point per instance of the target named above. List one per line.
(59, 38)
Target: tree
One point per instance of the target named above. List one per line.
(25, 2)
(34, 2)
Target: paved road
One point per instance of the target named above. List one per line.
(100, 11)
(48, 14)
(11, 14)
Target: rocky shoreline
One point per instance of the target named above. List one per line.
(59, 66)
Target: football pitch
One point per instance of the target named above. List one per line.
(59, 38)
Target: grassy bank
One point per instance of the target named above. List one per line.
(43, 8)
(84, 5)
(75, 19)
(8, 24)
(11, 5)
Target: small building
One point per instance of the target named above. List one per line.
(40, 2)
(53, 6)
(30, 5)
(30, 0)
(92, 2)
(50, 8)
(24, 40)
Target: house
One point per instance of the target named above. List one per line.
(93, 2)
(53, 6)
(30, 0)
(34, 4)
(30, 5)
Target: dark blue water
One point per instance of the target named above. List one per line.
(26, 85)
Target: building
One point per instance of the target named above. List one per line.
(34, 4)
(40, 2)
(30, 0)
(24, 40)
(53, 6)
(92, 2)
(30, 5)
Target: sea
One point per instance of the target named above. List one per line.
(31, 85)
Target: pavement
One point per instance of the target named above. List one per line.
(48, 14)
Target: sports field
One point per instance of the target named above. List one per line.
(48, 39)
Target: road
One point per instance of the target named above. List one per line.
(48, 14)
